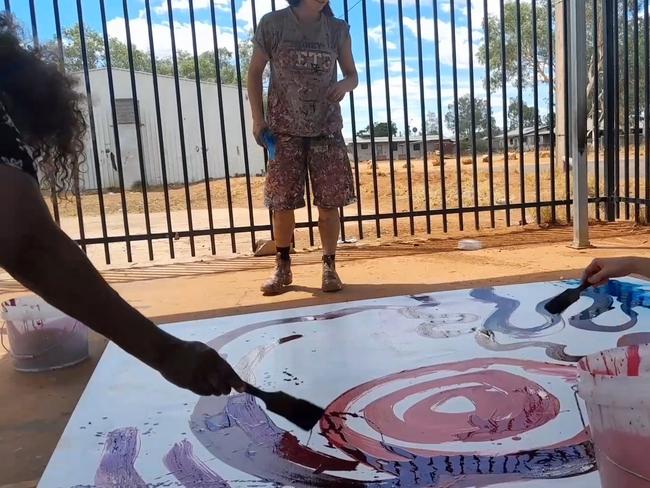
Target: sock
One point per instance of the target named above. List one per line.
(329, 258)
(284, 253)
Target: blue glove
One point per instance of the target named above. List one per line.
(269, 142)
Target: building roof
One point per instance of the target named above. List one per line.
(414, 139)
(529, 131)
(158, 75)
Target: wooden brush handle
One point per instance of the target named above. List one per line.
(584, 285)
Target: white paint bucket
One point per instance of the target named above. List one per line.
(615, 385)
(40, 337)
(469, 245)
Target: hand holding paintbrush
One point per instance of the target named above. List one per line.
(602, 269)
(200, 368)
(596, 274)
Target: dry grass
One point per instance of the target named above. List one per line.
(396, 195)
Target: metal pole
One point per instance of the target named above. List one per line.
(560, 83)
(609, 89)
(578, 121)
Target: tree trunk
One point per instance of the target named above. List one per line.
(591, 82)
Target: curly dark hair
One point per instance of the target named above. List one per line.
(327, 10)
(41, 99)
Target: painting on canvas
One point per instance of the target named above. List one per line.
(470, 388)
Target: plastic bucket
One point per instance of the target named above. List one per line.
(615, 386)
(40, 337)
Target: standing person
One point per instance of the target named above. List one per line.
(303, 44)
(42, 132)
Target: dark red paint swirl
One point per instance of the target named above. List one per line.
(505, 405)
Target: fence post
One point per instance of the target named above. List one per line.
(578, 121)
(560, 83)
(609, 108)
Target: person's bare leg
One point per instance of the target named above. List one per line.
(328, 225)
(283, 225)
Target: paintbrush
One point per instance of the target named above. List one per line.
(300, 412)
(565, 299)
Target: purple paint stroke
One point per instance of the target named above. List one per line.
(487, 340)
(219, 342)
(633, 339)
(499, 321)
(244, 437)
(603, 301)
(116, 469)
(190, 471)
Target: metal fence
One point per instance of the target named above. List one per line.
(457, 114)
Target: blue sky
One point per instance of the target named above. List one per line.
(243, 9)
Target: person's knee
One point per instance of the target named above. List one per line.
(283, 215)
(328, 215)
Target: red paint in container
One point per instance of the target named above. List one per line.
(615, 385)
(40, 337)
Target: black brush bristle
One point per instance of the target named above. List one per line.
(300, 412)
(563, 301)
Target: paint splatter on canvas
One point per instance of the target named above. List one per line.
(470, 388)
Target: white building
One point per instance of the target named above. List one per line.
(105, 133)
(383, 147)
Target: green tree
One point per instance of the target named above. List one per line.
(71, 38)
(380, 130)
(528, 115)
(431, 124)
(481, 121)
(543, 58)
(512, 42)
(96, 57)
(120, 56)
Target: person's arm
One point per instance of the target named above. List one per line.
(602, 269)
(350, 77)
(256, 69)
(44, 259)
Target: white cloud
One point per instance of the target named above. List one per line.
(162, 39)
(405, 3)
(396, 67)
(245, 12)
(375, 34)
(444, 35)
(374, 63)
(378, 91)
(184, 5)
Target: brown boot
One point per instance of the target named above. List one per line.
(331, 280)
(281, 278)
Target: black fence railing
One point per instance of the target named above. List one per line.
(456, 116)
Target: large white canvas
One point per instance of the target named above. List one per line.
(320, 353)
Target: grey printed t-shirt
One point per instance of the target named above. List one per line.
(303, 62)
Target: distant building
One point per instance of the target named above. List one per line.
(171, 143)
(544, 138)
(383, 149)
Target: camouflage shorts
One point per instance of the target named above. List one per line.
(324, 158)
